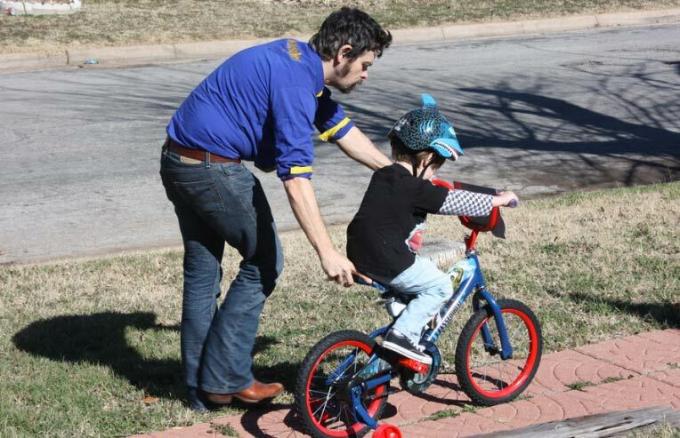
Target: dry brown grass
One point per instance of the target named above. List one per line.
(592, 266)
(128, 22)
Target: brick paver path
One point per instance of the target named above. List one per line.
(626, 373)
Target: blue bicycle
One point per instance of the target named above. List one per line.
(343, 383)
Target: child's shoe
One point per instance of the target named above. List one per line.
(395, 341)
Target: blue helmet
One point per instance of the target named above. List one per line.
(426, 128)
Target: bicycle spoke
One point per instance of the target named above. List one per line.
(323, 407)
(326, 407)
(500, 374)
(348, 416)
(490, 372)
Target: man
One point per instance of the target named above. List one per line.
(261, 105)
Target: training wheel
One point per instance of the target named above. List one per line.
(387, 431)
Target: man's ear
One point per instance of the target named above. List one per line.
(343, 52)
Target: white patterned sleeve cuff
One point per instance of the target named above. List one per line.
(464, 203)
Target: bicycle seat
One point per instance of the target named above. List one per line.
(368, 281)
(386, 292)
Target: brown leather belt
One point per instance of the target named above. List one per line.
(197, 154)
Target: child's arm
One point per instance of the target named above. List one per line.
(464, 203)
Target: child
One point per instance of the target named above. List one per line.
(385, 236)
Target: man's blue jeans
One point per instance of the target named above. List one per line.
(218, 203)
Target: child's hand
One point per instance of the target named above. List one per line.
(505, 199)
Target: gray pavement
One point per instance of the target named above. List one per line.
(537, 114)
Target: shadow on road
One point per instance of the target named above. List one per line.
(622, 123)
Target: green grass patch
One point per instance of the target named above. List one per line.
(612, 379)
(224, 429)
(125, 22)
(579, 385)
(444, 413)
(91, 347)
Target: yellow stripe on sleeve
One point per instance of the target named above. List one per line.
(298, 170)
(334, 130)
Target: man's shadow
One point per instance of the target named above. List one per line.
(99, 339)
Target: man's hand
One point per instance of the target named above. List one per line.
(303, 202)
(338, 268)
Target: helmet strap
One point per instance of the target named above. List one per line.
(420, 175)
(414, 165)
(422, 172)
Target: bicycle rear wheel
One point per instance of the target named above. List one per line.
(322, 395)
(485, 377)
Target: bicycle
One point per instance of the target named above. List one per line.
(343, 384)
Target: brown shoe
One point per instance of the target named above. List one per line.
(255, 393)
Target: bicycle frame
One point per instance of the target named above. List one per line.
(474, 285)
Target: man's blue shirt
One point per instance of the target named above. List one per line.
(262, 105)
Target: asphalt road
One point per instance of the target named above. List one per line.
(539, 115)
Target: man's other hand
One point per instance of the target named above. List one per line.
(338, 268)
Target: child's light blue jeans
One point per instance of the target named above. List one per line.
(432, 287)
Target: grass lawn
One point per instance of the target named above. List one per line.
(124, 22)
(91, 347)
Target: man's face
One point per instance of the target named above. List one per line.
(353, 72)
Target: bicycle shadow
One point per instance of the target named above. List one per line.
(100, 339)
(280, 419)
(447, 399)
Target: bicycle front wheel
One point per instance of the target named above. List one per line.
(485, 377)
(322, 394)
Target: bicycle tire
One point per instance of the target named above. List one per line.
(487, 385)
(331, 416)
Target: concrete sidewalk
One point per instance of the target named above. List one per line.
(144, 54)
(626, 373)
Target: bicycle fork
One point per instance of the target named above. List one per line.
(489, 342)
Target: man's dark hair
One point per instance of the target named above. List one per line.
(350, 26)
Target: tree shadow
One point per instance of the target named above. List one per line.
(667, 314)
(615, 136)
(616, 123)
(676, 64)
(100, 339)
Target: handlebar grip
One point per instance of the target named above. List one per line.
(514, 203)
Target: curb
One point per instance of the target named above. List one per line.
(141, 54)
